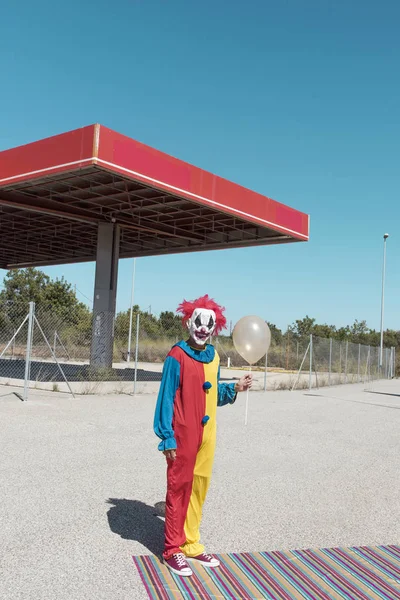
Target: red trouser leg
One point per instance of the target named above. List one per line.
(179, 489)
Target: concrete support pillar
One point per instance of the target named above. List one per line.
(105, 293)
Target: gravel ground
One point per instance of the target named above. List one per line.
(81, 481)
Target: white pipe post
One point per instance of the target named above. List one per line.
(369, 361)
(387, 363)
(265, 372)
(359, 361)
(345, 362)
(136, 351)
(330, 361)
(367, 375)
(128, 360)
(311, 359)
(385, 237)
(391, 362)
(301, 366)
(247, 405)
(54, 356)
(29, 342)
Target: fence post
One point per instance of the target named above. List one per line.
(265, 372)
(383, 362)
(369, 364)
(367, 376)
(330, 361)
(55, 342)
(136, 351)
(128, 358)
(301, 366)
(359, 361)
(52, 353)
(29, 342)
(386, 363)
(311, 359)
(345, 362)
(391, 362)
(13, 344)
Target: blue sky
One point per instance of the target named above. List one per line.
(297, 100)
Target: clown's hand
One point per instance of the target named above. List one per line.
(244, 383)
(170, 454)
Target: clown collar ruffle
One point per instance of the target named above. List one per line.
(204, 356)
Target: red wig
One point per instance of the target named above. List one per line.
(187, 308)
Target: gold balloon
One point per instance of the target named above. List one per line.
(252, 338)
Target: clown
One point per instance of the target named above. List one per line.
(185, 421)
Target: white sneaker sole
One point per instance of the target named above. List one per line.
(187, 573)
(205, 565)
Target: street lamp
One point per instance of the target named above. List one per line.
(385, 237)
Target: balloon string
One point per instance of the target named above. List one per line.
(247, 404)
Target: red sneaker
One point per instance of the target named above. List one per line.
(206, 560)
(178, 565)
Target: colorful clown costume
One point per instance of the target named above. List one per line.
(185, 420)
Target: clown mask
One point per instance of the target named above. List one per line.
(201, 325)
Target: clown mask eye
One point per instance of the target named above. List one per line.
(198, 322)
(211, 323)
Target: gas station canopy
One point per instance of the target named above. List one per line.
(55, 193)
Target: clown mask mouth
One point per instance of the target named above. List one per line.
(201, 325)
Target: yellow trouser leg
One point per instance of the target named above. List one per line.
(192, 547)
(201, 483)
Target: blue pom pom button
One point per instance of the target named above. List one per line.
(207, 386)
(205, 420)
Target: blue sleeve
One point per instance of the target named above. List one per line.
(226, 392)
(165, 404)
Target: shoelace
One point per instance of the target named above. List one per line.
(180, 559)
(208, 557)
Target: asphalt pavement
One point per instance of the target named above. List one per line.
(83, 483)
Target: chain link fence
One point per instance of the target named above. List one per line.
(329, 362)
(77, 351)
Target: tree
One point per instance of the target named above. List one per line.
(342, 333)
(325, 331)
(21, 287)
(303, 327)
(171, 324)
(276, 334)
(54, 298)
(359, 332)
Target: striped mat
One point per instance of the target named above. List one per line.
(365, 573)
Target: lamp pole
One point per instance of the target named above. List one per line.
(385, 237)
